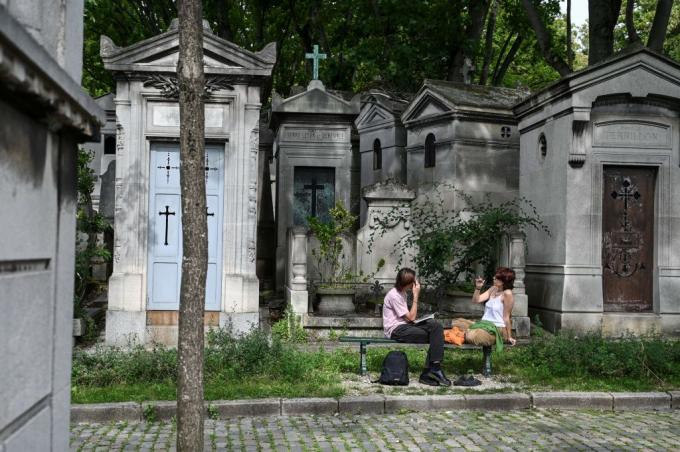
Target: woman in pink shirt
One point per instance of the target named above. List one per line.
(398, 325)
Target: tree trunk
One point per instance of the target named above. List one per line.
(473, 32)
(194, 228)
(630, 23)
(498, 76)
(570, 49)
(223, 26)
(602, 18)
(657, 34)
(543, 38)
(488, 44)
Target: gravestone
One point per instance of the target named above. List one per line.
(316, 160)
(601, 163)
(45, 115)
(145, 284)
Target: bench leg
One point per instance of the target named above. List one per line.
(362, 359)
(486, 370)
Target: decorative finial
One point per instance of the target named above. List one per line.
(315, 57)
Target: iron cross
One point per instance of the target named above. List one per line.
(315, 57)
(626, 193)
(314, 187)
(167, 213)
(208, 168)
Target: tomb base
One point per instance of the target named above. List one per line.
(125, 328)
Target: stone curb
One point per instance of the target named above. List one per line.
(572, 400)
(378, 404)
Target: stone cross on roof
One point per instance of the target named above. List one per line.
(315, 57)
(467, 70)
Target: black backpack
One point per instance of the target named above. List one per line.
(394, 369)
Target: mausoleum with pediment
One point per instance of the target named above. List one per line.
(144, 288)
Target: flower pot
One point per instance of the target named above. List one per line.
(339, 300)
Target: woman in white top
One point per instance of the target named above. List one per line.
(499, 301)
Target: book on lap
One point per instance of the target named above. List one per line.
(424, 318)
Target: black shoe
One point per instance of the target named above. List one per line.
(427, 380)
(439, 377)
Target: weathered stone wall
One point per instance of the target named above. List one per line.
(44, 115)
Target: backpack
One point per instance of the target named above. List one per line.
(394, 369)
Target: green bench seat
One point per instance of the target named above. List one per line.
(366, 341)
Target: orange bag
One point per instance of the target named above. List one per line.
(454, 336)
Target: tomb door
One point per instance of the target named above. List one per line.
(628, 238)
(314, 193)
(165, 227)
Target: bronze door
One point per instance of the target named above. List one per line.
(628, 238)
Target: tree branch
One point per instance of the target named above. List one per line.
(543, 38)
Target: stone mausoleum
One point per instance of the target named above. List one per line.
(144, 288)
(600, 160)
(44, 116)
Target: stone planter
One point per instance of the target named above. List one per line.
(338, 300)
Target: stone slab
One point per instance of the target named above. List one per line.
(309, 406)
(675, 399)
(572, 400)
(254, 407)
(372, 404)
(512, 401)
(106, 412)
(641, 400)
(162, 411)
(395, 404)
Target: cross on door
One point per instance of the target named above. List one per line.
(167, 213)
(314, 187)
(208, 168)
(627, 192)
(315, 57)
(167, 169)
(505, 132)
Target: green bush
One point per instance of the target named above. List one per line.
(566, 355)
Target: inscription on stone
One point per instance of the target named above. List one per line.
(167, 115)
(335, 136)
(632, 135)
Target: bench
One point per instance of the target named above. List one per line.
(365, 341)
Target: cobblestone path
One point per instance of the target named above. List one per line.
(463, 430)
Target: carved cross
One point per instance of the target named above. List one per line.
(167, 169)
(315, 57)
(314, 187)
(167, 213)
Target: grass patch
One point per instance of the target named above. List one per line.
(257, 366)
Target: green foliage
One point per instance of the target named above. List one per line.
(329, 256)
(289, 328)
(213, 412)
(149, 413)
(653, 361)
(89, 224)
(446, 243)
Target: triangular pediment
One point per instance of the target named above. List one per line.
(427, 104)
(315, 100)
(160, 54)
(373, 114)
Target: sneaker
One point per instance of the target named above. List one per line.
(439, 377)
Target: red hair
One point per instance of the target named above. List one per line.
(506, 276)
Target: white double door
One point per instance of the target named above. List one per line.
(165, 227)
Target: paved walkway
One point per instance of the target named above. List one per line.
(463, 430)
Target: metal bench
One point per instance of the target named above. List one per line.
(365, 341)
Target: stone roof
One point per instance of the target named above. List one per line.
(476, 95)
(393, 101)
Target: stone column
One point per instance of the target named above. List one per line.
(297, 296)
(517, 261)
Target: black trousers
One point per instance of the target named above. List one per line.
(428, 332)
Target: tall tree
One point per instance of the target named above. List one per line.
(603, 16)
(194, 227)
(544, 38)
(657, 34)
(477, 11)
(570, 47)
(630, 22)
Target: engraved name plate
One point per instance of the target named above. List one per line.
(167, 115)
(302, 134)
(632, 134)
